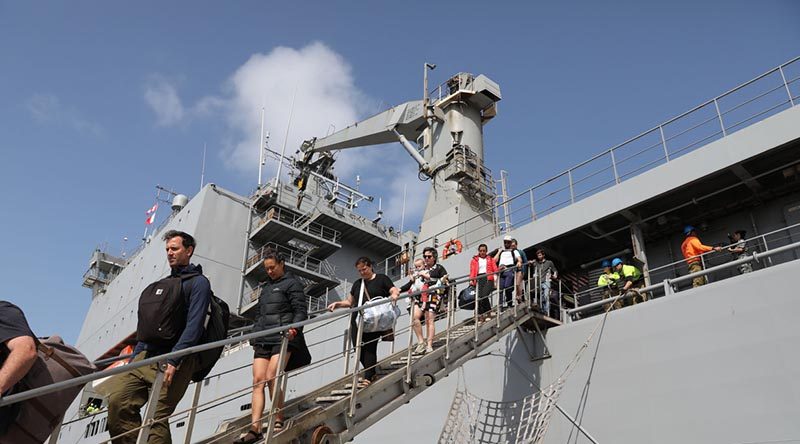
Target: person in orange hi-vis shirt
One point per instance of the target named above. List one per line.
(692, 248)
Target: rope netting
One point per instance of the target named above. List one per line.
(475, 420)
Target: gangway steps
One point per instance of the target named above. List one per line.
(329, 407)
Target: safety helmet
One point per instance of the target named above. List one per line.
(606, 263)
(688, 229)
(616, 261)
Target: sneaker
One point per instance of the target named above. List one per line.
(419, 349)
(428, 349)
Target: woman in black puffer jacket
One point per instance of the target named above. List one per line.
(282, 302)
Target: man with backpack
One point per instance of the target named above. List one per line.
(172, 315)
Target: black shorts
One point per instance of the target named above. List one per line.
(431, 305)
(267, 351)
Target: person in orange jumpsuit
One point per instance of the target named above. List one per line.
(692, 248)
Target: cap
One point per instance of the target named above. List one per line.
(616, 261)
(605, 263)
(688, 229)
(507, 238)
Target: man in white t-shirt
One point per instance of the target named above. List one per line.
(507, 258)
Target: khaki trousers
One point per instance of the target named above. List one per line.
(128, 392)
(700, 280)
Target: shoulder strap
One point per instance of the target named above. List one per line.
(50, 353)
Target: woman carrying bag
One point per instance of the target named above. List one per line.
(282, 302)
(370, 286)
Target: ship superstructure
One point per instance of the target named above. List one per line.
(707, 364)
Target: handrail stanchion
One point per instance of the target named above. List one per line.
(614, 165)
(278, 386)
(533, 209)
(152, 405)
(515, 297)
(354, 389)
(193, 412)
(719, 116)
(571, 188)
(500, 296)
(664, 142)
(347, 348)
(410, 338)
(561, 313)
(786, 85)
(450, 315)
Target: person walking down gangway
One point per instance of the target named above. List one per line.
(436, 278)
(282, 302)
(692, 249)
(484, 266)
(521, 272)
(545, 272)
(419, 303)
(185, 295)
(375, 285)
(507, 258)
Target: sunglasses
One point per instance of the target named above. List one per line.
(427, 256)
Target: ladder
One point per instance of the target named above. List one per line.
(330, 414)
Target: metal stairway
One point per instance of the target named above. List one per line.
(336, 413)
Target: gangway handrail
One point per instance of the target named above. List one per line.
(666, 285)
(340, 313)
(618, 179)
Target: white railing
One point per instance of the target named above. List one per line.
(240, 337)
(769, 93)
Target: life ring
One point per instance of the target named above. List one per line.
(453, 246)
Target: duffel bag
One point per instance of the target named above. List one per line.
(38, 416)
(381, 317)
(466, 298)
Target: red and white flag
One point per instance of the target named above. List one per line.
(151, 215)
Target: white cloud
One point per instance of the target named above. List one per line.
(321, 84)
(318, 80)
(48, 109)
(162, 97)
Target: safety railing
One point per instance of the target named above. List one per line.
(241, 336)
(671, 286)
(761, 243)
(767, 94)
(295, 220)
(294, 257)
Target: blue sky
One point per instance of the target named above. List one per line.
(102, 101)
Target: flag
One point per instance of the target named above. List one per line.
(151, 215)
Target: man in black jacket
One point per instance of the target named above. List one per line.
(129, 391)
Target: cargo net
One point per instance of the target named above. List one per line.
(475, 420)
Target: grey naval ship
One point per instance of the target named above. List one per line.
(715, 363)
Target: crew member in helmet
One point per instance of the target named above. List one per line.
(608, 282)
(692, 249)
(633, 280)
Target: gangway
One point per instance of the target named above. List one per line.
(336, 412)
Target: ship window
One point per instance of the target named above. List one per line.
(180, 424)
(245, 407)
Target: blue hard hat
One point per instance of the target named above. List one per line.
(688, 229)
(605, 263)
(616, 261)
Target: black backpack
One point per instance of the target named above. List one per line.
(162, 312)
(216, 329)
(162, 318)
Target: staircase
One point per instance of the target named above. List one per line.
(337, 412)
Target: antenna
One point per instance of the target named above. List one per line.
(403, 213)
(285, 138)
(261, 148)
(203, 169)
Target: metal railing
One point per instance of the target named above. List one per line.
(761, 243)
(295, 220)
(750, 102)
(294, 257)
(671, 286)
(241, 337)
